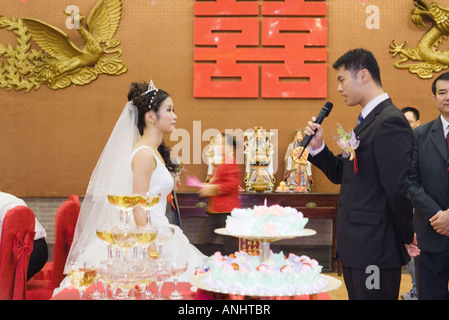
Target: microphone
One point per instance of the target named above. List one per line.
(319, 119)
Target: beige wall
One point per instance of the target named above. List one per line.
(50, 140)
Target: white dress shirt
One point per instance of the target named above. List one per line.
(7, 202)
(365, 111)
(445, 126)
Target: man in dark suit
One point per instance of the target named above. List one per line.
(429, 192)
(374, 220)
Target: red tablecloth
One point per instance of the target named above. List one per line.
(71, 293)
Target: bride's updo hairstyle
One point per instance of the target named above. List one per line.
(144, 102)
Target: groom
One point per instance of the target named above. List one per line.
(374, 220)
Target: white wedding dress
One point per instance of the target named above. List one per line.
(179, 247)
(113, 174)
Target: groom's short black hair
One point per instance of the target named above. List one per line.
(358, 59)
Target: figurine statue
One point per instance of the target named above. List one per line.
(259, 160)
(298, 171)
(210, 157)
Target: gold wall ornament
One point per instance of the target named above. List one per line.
(429, 58)
(60, 63)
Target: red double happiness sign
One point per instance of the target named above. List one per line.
(268, 49)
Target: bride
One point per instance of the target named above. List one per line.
(134, 160)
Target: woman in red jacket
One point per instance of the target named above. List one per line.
(222, 190)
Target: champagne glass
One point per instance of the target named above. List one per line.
(124, 238)
(124, 276)
(152, 278)
(178, 268)
(96, 295)
(106, 236)
(145, 274)
(140, 278)
(103, 275)
(163, 272)
(110, 279)
(148, 201)
(131, 201)
(118, 203)
(125, 204)
(163, 235)
(145, 237)
(81, 277)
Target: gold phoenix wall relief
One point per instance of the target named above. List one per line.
(60, 63)
(428, 57)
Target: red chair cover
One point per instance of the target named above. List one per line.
(66, 218)
(15, 249)
(22, 248)
(41, 286)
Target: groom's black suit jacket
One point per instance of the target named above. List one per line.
(375, 215)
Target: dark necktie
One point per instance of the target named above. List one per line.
(447, 143)
(360, 118)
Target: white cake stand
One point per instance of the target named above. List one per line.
(331, 284)
(266, 240)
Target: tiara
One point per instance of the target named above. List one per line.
(151, 88)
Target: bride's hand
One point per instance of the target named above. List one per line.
(152, 250)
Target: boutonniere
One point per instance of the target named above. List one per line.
(178, 170)
(348, 142)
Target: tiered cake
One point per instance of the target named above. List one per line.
(276, 276)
